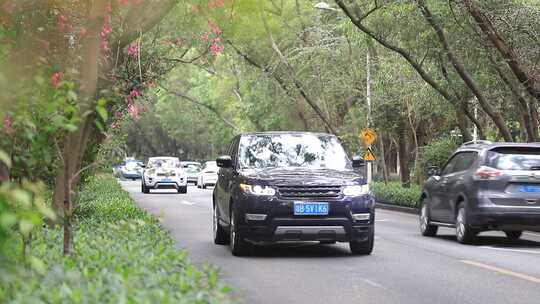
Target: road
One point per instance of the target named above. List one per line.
(404, 267)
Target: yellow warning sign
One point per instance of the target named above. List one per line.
(368, 136)
(369, 155)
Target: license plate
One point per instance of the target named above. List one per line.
(166, 180)
(530, 189)
(308, 208)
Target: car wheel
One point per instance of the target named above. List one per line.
(220, 235)
(239, 246)
(464, 233)
(426, 229)
(363, 247)
(203, 186)
(513, 235)
(182, 190)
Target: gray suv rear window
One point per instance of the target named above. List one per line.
(514, 158)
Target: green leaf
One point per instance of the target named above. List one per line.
(102, 113)
(37, 265)
(25, 226)
(5, 159)
(7, 220)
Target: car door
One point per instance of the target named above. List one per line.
(455, 183)
(438, 194)
(224, 182)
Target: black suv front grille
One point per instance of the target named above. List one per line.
(309, 191)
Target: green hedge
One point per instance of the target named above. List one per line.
(394, 193)
(121, 256)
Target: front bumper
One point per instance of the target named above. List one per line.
(130, 175)
(280, 223)
(154, 183)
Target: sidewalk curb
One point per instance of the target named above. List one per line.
(392, 207)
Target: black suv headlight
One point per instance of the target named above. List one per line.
(257, 190)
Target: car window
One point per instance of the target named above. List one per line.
(292, 151)
(460, 162)
(514, 158)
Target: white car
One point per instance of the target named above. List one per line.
(208, 175)
(164, 173)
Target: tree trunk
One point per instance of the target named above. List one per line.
(464, 74)
(509, 54)
(404, 157)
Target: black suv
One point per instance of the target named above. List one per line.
(484, 186)
(291, 186)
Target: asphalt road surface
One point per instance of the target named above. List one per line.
(404, 267)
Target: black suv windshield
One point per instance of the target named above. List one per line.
(310, 151)
(514, 158)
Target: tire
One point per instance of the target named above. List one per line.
(221, 237)
(426, 229)
(363, 247)
(182, 190)
(464, 233)
(239, 247)
(203, 186)
(144, 189)
(513, 235)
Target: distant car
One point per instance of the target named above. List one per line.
(291, 186)
(164, 173)
(484, 186)
(117, 170)
(208, 175)
(192, 170)
(132, 169)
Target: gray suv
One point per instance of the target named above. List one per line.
(484, 186)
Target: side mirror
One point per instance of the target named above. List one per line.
(433, 171)
(143, 166)
(358, 161)
(224, 161)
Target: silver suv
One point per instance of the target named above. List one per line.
(484, 186)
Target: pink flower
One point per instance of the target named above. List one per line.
(134, 94)
(136, 2)
(106, 30)
(114, 125)
(61, 23)
(204, 37)
(123, 2)
(133, 50)
(8, 126)
(56, 78)
(134, 111)
(216, 3)
(117, 115)
(217, 47)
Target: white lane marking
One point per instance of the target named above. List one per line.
(381, 220)
(503, 271)
(511, 250)
(187, 203)
(532, 233)
(375, 284)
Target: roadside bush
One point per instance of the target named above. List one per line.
(394, 193)
(121, 255)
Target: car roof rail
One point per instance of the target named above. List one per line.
(477, 142)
